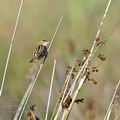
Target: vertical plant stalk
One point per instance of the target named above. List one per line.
(58, 101)
(110, 105)
(56, 30)
(52, 78)
(27, 95)
(67, 112)
(25, 99)
(109, 113)
(11, 44)
(67, 81)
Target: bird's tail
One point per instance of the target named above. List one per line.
(32, 60)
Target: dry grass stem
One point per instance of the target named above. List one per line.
(62, 94)
(11, 44)
(110, 105)
(52, 78)
(109, 113)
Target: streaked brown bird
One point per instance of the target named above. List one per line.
(41, 51)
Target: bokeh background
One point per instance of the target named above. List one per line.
(38, 21)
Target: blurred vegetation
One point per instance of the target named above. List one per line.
(38, 21)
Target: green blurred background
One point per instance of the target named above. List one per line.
(38, 21)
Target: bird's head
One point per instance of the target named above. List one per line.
(44, 42)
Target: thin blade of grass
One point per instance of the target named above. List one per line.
(109, 113)
(52, 78)
(56, 30)
(11, 44)
(110, 105)
(26, 98)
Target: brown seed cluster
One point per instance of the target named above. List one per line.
(94, 81)
(94, 69)
(30, 114)
(99, 42)
(74, 69)
(89, 70)
(68, 71)
(101, 57)
(86, 52)
(67, 102)
(88, 73)
(79, 100)
(78, 63)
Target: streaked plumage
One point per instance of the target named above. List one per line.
(40, 51)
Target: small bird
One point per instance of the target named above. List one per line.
(41, 51)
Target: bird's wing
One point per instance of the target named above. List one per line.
(39, 49)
